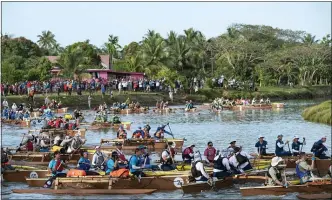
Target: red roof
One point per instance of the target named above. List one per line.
(52, 59)
(109, 70)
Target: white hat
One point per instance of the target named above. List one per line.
(197, 157)
(260, 136)
(97, 147)
(296, 136)
(275, 161)
(323, 136)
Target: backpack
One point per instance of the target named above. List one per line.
(194, 172)
(241, 159)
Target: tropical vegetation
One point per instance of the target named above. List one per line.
(256, 54)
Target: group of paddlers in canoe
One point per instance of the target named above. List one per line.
(224, 103)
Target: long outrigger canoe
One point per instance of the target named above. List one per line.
(100, 125)
(86, 192)
(314, 187)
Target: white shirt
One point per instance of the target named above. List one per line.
(199, 166)
(5, 103)
(280, 145)
(95, 157)
(165, 154)
(225, 162)
(233, 161)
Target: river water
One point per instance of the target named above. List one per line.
(199, 128)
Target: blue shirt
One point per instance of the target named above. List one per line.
(52, 165)
(84, 163)
(110, 166)
(133, 161)
(262, 147)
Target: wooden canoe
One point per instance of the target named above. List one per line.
(91, 182)
(166, 110)
(19, 175)
(279, 190)
(60, 110)
(23, 123)
(150, 143)
(251, 107)
(190, 110)
(199, 187)
(86, 191)
(314, 196)
(100, 125)
(55, 131)
(43, 158)
(278, 105)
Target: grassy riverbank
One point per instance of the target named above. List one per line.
(320, 113)
(204, 95)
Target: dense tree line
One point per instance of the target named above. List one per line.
(256, 54)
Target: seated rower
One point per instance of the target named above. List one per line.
(138, 133)
(26, 116)
(121, 134)
(166, 160)
(134, 166)
(210, 152)
(261, 146)
(123, 162)
(275, 172)
(296, 145)
(198, 170)
(280, 147)
(221, 167)
(230, 148)
(240, 160)
(188, 154)
(145, 158)
(267, 101)
(85, 164)
(55, 167)
(303, 170)
(159, 134)
(146, 132)
(112, 163)
(261, 101)
(98, 159)
(319, 149)
(5, 161)
(157, 105)
(253, 101)
(116, 120)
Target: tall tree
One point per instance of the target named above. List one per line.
(47, 41)
(112, 47)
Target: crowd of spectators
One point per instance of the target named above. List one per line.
(93, 85)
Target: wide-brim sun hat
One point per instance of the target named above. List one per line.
(275, 161)
(260, 136)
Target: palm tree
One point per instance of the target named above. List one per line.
(112, 47)
(153, 48)
(309, 39)
(46, 40)
(72, 63)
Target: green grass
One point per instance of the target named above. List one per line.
(320, 113)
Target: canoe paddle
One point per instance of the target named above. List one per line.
(170, 130)
(302, 144)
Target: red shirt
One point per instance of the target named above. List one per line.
(210, 153)
(29, 146)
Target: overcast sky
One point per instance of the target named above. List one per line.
(78, 21)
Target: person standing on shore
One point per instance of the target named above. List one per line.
(89, 101)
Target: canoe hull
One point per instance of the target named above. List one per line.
(198, 187)
(254, 107)
(86, 192)
(314, 196)
(22, 123)
(159, 183)
(19, 175)
(278, 190)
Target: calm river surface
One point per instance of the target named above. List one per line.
(199, 128)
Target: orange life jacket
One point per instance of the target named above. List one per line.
(120, 173)
(76, 172)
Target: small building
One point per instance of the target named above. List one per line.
(105, 73)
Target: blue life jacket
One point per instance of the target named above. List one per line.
(279, 149)
(300, 173)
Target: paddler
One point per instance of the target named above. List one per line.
(280, 147)
(210, 152)
(240, 160)
(303, 170)
(122, 158)
(145, 158)
(5, 161)
(121, 134)
(198, 170)
(159, 134)
(116, 120)
(166, 160)
(261, 145)
(84, 162)
(275, 172)
(146, 132)
(221, 167)
(134, 164)
(230, 148)
(296, 145)
(139, 133)
(188, 154)
(55, 167)
(5, 103)
(319, 149)
(112, 163)
(157, 105)
(98, 160)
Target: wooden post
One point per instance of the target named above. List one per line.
(56, 183)
(110, 183)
